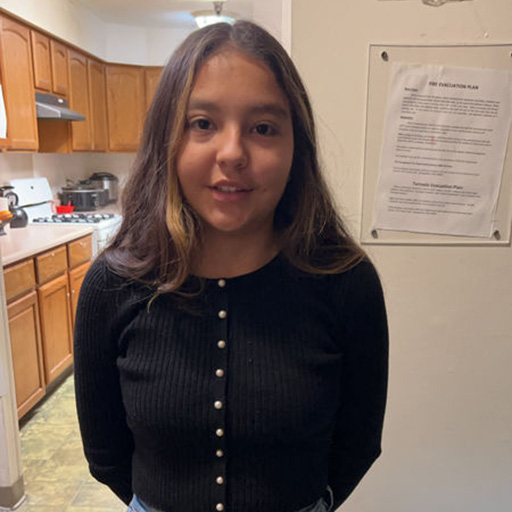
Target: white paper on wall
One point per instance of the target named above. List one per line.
(443, 149)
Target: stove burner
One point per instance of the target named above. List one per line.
(76, 218)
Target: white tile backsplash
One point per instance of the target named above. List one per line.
(58, 167)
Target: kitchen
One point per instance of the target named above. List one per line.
(68, 156)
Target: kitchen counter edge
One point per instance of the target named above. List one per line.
(19, 244)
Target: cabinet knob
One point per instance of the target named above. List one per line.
(73, 292)
(52, 255)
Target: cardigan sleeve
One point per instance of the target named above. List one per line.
(356, 442)
(107, 440)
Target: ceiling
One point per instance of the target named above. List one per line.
(168, 13)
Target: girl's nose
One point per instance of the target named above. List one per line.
(231, 152)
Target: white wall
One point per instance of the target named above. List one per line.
(66, 19)
(113, 42)
(448, 433)
(269, 14)
(130, 44)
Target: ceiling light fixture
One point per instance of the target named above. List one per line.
(204, 18)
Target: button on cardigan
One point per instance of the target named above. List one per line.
(253, 396)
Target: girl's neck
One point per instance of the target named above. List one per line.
(225, 255)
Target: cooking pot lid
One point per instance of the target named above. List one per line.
(103, 176)
(82, 189)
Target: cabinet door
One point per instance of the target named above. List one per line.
(98, 101)
(125, 102)
(76, 277)
(19, 279)
(151, 79)
(18, 85)
(79, 101)
(59, 58)
(26, 352)
(51, 264)
(79, 251)
(55, 313)
(41, 61)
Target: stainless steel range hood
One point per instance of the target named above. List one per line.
(50, 107)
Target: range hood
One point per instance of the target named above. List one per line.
(50, 107)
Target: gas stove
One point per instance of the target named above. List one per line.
(75, 218)
(35, 197)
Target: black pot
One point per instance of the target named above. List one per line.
(20, 217)
(84, 199)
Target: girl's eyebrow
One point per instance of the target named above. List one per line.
(274, 109)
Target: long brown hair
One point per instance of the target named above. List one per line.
(160, 233)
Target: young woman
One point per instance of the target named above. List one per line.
(231, 343)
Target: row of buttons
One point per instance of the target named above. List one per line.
(217, 404)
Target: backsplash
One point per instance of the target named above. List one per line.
(59, 167)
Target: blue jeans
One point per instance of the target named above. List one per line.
(322, 505)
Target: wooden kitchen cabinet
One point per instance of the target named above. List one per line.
(19, 279)
(98, 103)
(42, 294)
(81, 132)
(27, 354)
(114, 98)
(151, 79)
(50, 62)
(125, 106)
(79, 256)
(76, 277)
(51, 264)
(79, 251)
(24, 328)
(18, 85)
(55, 313)
(41, 61)
(59, 62)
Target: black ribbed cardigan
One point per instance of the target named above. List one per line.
(252, 397)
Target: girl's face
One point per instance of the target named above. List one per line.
(237, 152)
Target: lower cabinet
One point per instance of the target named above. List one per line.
(27, 353)
(55, 308)
(42, 294)
(76, 277)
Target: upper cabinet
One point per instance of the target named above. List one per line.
(114, 98)
(151, 79)
(98, 104)
(59, 60)
(41, 61)
(18, 85)
(50, 61)
(79, 101)
(126, 106)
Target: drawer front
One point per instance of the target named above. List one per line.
(19, 279)
(51, 264)
(80, 251)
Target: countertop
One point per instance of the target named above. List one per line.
(22, 243)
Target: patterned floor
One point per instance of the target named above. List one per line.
(55, 471)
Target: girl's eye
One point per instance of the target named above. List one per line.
(265, 129)
(201, 124)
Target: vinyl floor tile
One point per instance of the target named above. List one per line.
(97, 495)
(55, 493)
(55, 471)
